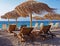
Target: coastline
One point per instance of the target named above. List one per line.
(19, 23)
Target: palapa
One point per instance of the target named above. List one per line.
(38, 18)
(52, 16)
(11, 15)
(30, 7)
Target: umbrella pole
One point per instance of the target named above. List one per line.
(16, 21)
(30, 19)
(8, 22)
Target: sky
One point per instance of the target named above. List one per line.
(9, 5)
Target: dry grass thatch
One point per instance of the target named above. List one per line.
(29, 7)
(52, 16)
(10, 15)
(32, 6)
(38, 18)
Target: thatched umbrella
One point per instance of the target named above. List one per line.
(11, 15)
(5, 17)
(30, 7)
(52, 16)
(38, 18)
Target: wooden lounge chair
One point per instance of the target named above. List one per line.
(41, 25)
(52, 26)
(23, 26)
(45, 32)
(56, 26)
(36, 25)
(16, 32)
(11, 28)
(25, 33)
(4, 27)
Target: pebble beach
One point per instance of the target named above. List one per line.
(7, 39)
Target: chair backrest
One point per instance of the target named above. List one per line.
(52, 25)
(26, 30)
(12, 27)
(45, 29)
(4, 26)
(41, 26)
(36, 25)
(23, 26)
(56, 25)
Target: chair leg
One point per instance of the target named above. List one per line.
(31, 37)
(43, 37)
(22, 40)
(53, 35)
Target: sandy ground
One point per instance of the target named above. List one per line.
(9, 40)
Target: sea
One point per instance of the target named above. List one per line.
(19, 23)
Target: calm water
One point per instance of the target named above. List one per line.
(19, 23)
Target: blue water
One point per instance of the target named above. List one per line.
(19, 23)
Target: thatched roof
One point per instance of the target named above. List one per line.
(3, 17)
(52, 16)
(32, 7)
(38, 18)
(10, 15)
